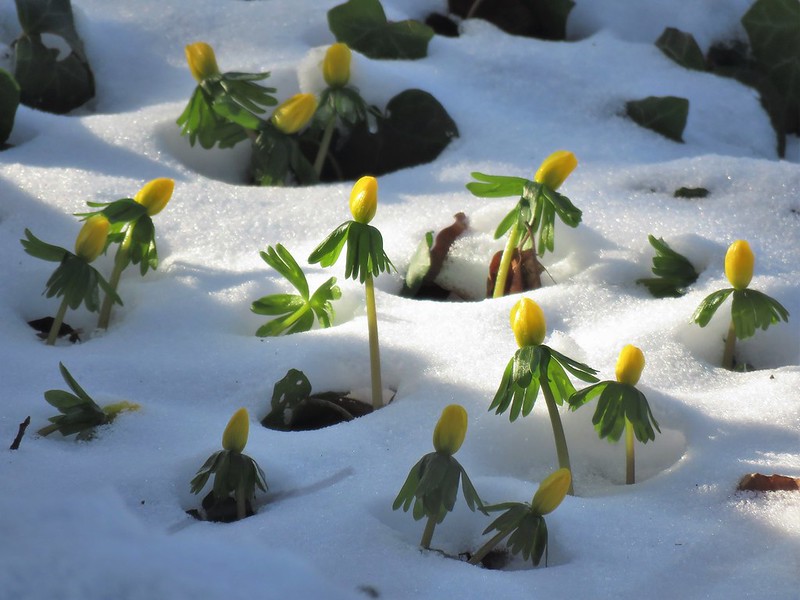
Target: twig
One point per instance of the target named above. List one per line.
(22, 427)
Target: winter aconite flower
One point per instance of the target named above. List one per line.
(528, 323)
(739, 263)
(450, 430)
(202, 61)
(155, 194)
(630, 365)
(336, 66)
(551, 492)
(91, 240)
(295, 113)
(556, 168)
(364, 199)
(234, 438)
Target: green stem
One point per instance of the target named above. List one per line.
(121, 260)
(730, 345)
(57, 321)
(473, 9)
(630, 460)
(241, 501)
(505, 263)
(319, 161)
(488, 546)
(427, 534)
(558, 433)
(374, 350)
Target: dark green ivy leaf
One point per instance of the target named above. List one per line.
(9, 101)
(682, 48)
(663, 114)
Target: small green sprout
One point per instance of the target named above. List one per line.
(536, 366)
(79, 413)
(432, 483)
(535, 211)
(525, 522)
(132, 228)
(74, 278)
(621, 407)
(673, 271)
(235, 474)
(365, 259)
(750, 309)
(295, 312)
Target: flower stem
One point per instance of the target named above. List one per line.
(630, 460)
(505, 263)
(121, 260)
(488, 546)
(730, 345)
(57, 321)
(374, 350)
(558, 433)
(427, 534)
(322, 153)
(241, 501)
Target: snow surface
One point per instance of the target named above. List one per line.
(106, 519)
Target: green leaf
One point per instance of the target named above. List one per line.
(280, 259)
(39, 249)
(418, 267)
(327, 253)
(9, 101)
(203, 124)
(79, 413)
(703, 313)
(663, 114)
(287, 395)
(46, 82)
(673, 271)
(496, 186)
(414, 130)
(682, 48)
(752, 310)
(362, 25)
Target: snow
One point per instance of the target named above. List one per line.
(106, 518)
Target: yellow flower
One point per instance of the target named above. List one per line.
(295, 113)
(91, 240)
(112, 410)
(551, 492)
(234, 438)
(528, 323)
(739, 261)
(202, 61)
(336, 66)
(364, 199)
(450, 430)
(556, 168)
(630, 365)
(155, 194)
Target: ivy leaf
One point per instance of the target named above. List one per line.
(9, 101)
(663, 114)
(362, 25)
(287, 395)
(682, 48)
(673, 271)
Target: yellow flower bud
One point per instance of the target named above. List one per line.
(112, 410)
(91, 240)
(556, 168)
(528, 323)
(450, 430)
(739, 261)
(202, 61)
(295, 113)
(336, 66)
(364, 199)
(155, 194)
(234, 438)
(551, 492)
(630, 365)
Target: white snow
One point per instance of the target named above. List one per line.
(106, 518)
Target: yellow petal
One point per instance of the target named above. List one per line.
(295, 113)
(91, 240)
(556, 168)
(528, 323)
(155, 194)
(202, 61)
(739, 263)
(336, 66)
(450, 430)
(630, 365)
(364, 199)
(551, 492)
(234, 438)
